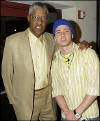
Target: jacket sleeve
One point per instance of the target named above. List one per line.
(7, 69)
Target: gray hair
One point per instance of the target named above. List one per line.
(37, 5)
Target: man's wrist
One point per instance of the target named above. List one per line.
(65, 111)
(77, 115)
(79, 110)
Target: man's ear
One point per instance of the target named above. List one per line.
(72, 36)
(55, 38)
(28, 18)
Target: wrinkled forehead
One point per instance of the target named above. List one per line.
(39, 11)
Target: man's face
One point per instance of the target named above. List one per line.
(63, 36)
(37, 21)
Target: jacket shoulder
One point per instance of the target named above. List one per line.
(15, 36)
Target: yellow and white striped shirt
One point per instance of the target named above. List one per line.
(79, 79)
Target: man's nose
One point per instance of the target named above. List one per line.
(62, 33)
(40, 20)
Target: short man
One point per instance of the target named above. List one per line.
(75, 76)
(26, 67)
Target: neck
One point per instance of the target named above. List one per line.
(66, 49)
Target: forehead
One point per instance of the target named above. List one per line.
(62, 27)
(39, 11)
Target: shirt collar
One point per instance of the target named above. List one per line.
(32, 35)
(74, 48)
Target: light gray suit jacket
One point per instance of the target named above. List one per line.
(18, 72)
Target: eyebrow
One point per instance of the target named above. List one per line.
(57, 30)
(63, 29)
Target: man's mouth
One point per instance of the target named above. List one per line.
(38, 27)
(63, 40)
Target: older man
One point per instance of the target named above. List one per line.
(26, 67)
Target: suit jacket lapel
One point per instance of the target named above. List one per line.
(28, 48)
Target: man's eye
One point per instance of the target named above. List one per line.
(66, 31)
(44, 17)
(35, 17)
(58, 32)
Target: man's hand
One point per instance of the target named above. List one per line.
(70, 116)
(84, 45)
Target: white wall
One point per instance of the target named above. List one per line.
(70, 12)
(88, 24)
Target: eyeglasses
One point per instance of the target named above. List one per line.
(37, 17)
(58, 33)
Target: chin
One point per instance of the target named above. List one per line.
(63, 45)
(40, 33)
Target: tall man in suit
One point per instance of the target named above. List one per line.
(26, 67)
